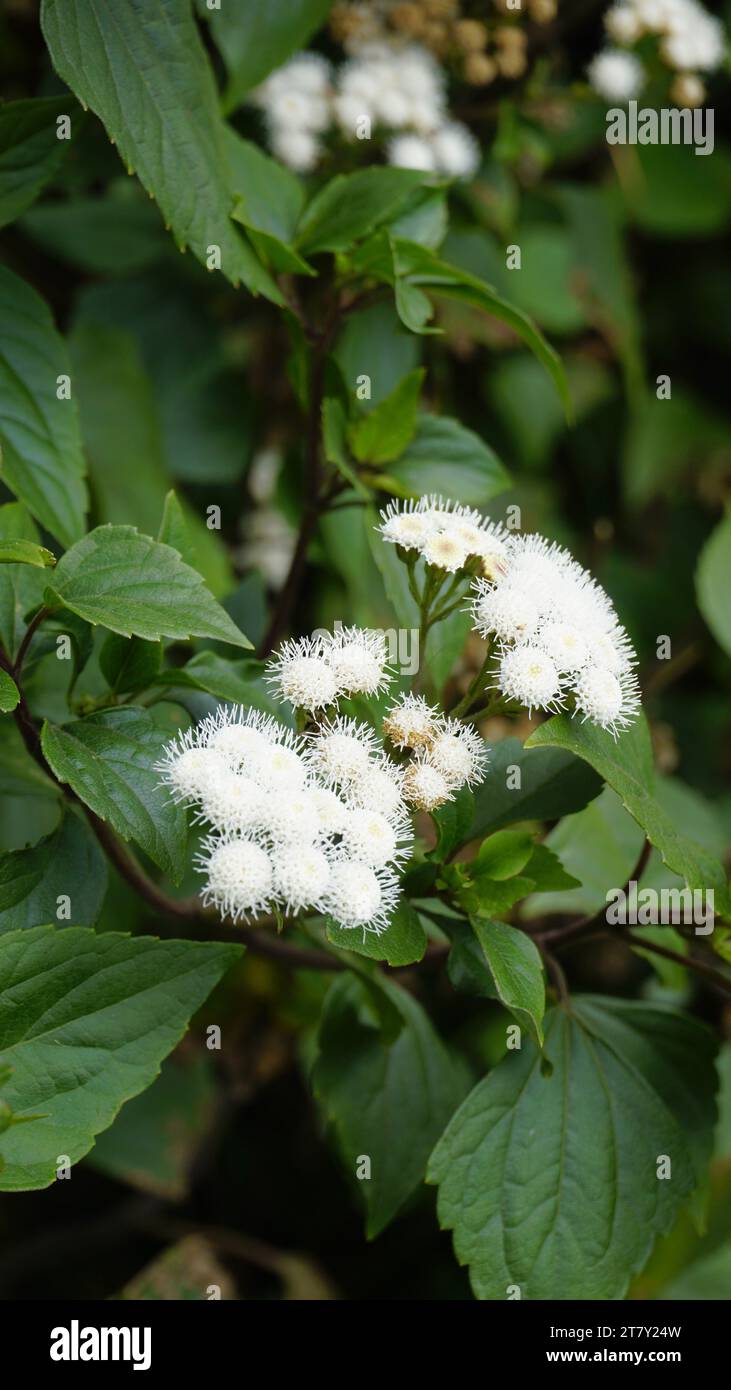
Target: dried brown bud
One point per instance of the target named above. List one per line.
(470, 35)
(479, 69)
(409, 18)
(542, 11)
(512, 63)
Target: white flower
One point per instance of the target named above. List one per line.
(412, 151)
(359, 896)
(299, 149)
(357, 658)
(301, 879)
(292, 816)
(456, 152)
(233, 803)
(445, 551)
(606, 699)
(698, 42)
(424, 785)
(458, 753)
(330, 811)
(300, 674)
(374, 839)
(235, 733)
(623, 24)
(238, 876)
(188, 769)
(380, 787)
(505, 610)
(411, 722)
(565, 644)
(279, 766)
(529, 676)
(615, 75)
(341, 751)
(407, 524)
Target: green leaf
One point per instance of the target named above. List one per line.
(549, 1178)
(155, 1136)
(375, 336)
(261, 35)
(236, 681)
(523, 784)
(85, 1022)
(626, 764)
(129, 663)
(186, 532)
(21, 585)
(21, 552)
(117, 234)
(403, 943)
(108, 760)
(102, 52)
(387, 1100)
(503, 854)
(30, 151)
(548, 873)
(389, 428)
(270, 196)
(445, 455)
(9, 694)
(69, 864)
(713, 583)
(334, 441)
(40, 447)
(139, 588)
(515, 965)
(453, 821)
(351, 205)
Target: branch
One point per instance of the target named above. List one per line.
(584, 925)
(715, 977)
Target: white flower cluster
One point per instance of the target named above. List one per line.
(314, 672)
(297, 822)
(445, 534)
(558, 637)
(690, 41)
(446, 753)
(399, 89)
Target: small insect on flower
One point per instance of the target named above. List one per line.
(301, 878)
(301, 675)
(425, 787)
(358, 659)
(411, 722)
(238, 876)
(340, 752)
(359, 896)
(459, 754)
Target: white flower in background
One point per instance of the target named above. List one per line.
(268, 545)
(530, 677)
(623, 24)
(300, 150)
(357, 658)
(375, 839)
(690, 40)
(412, 151)
(425, 787)
(359, 896)
(301, 675)
(615, 75)
(411, 722)
(239, 878)
(340, 752)
(458, 753)
(456, 151)
(301, 879)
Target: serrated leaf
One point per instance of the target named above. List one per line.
(351, 205)
(236, 681)
(30, 151)
(138, 587)
(103, 52)
(549, 1179)
(387, 1100)
(108, 759)
(515, 965)
(21, 585)
(67, 863)
(20, 552)
(386, 431)
(85, 1022)
(40, 445)
(626, 764)
(260, 36)
(9, 693)
(403, 942)
(444, 454)
(129, 663)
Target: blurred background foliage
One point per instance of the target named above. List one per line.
(181, 382)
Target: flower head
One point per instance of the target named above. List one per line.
(529, 676)
(340, 752)
(411, 722)
(357, 658)
(407, 524)
(458, 753)
(301, 674)
(615, 75)
(359, 896)
(373, 838)
(425, 787)
(301, 880)
(232, 803)
(238, 876)
(188, 769)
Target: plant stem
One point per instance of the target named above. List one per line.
(476, 685)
